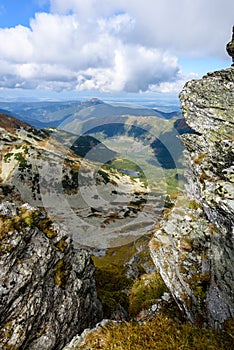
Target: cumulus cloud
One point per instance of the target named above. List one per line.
(134, 69)
(60, 52)
(196, 28)
(112, 45)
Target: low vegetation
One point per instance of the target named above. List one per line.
(145, 292)
(161, 333)
(113, 278)
(111, 284)
(24, 218)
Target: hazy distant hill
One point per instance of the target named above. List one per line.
(43, 114)
(33, 122)
(101, 109)
(156, 132)
(103, 120)
(168, 115)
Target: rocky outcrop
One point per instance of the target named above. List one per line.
(193, 246)
(47, 289)
(230, 46)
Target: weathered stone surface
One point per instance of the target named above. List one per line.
(193, 247)
(230, 46)
(80, 339)
(179, 249)
(208, 104)
(47, 289)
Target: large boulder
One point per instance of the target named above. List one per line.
(230, 46)
(47, 289)
(193, 245)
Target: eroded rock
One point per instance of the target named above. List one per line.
(230, 46)
(193, 246)
(47, 289)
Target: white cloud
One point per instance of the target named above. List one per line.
(113, 45)
(173, 86)
(58, 49)
(198, 28)
(15, 44)
(134, 69)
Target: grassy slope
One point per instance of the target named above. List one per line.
(161, 333)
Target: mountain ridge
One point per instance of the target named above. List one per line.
(45, 114)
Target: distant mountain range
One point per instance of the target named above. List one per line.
(104, 121)
(89, 152)
(44, 114)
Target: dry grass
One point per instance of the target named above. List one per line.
(162, 333)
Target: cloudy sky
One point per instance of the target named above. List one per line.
(110, 46)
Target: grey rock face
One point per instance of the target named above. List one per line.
(193, 247)
(47, 289)
(230, 46)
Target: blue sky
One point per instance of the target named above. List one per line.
(13, 12)
(57, 48)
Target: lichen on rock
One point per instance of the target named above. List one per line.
(193, 248)
(47, 288)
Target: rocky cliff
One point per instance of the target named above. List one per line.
(193, 246)
(47, 289)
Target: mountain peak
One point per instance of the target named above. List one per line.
(92, 102)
